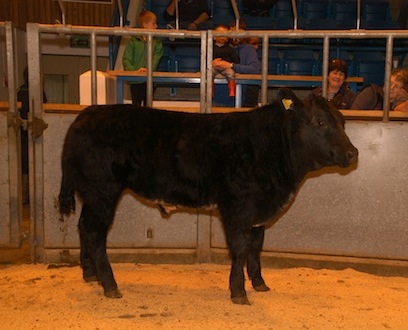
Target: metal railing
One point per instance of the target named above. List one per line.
(7, 27)
(13, 136)
(206, 37)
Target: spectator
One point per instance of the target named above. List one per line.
(371, 97)
(193, 14)
(259, 7)
(403, 15)
(222, 50)
(135, 55)
(339, 92)
(248, 63)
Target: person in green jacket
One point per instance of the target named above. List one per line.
(135, 55)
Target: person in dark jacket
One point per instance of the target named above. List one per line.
(224, 51)
(248, 63)
(193, 14)
(339, 92)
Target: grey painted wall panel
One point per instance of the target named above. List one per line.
(362, 211)
(137, 223)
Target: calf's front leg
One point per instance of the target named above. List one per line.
(254, 260)
(238, 243)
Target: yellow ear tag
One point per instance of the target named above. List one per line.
(287, 103)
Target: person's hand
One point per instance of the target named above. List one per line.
(402, 107)
(220, 64)
(192, 26)
(141, 70)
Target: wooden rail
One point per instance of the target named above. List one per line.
(348, 114)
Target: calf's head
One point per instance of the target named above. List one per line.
(319, 133)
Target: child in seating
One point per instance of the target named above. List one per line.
(135, 55)
(224, 51)
(371, 97)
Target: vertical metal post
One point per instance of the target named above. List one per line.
(210, 80)
(61, 5)
(388, 67)
(36, 152)
(15, 184)
(94, 86)
(204, 76)
(358, 14)
(295, 15)
(264, 84)
(149, 79)
(177, 16)
(120, 8)
(325, 73)
(235, 9)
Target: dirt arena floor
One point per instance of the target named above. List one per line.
(196, 297)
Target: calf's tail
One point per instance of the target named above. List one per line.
(66, 197)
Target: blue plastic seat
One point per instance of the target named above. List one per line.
(322, 24)
(222, 12)
(344, 10)
(299, 62)
(283, 9)
(313, 9)
(371, 66)
(158, 7)
(375, 11)
(187, 58)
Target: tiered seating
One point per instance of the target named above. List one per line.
(184, 56)
(158, 7)
(370, 66)
(376, 15)
(299, 62)
(222, 12)
(187, 58)
(315, 9)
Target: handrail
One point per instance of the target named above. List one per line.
(206, 38)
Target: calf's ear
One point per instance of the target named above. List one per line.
(288, 99)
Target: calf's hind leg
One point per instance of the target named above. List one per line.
(254, 261)
(93, 229)
(87, 257)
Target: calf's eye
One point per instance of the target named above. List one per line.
(318, 122)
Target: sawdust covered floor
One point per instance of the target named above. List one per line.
(197, 297)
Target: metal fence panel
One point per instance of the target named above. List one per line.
(138, 223)
(361, 214)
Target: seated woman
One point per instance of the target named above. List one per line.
(371, 97)
(339, 92)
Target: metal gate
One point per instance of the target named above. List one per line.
(10, 163)
(361, 214)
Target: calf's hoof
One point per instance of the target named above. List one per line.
(243, 300)
(261, 287)
(112, 293)
(93, 278)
